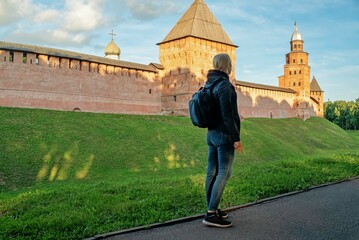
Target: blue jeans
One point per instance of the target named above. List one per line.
(219, 170)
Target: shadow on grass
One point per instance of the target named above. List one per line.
(57, 166)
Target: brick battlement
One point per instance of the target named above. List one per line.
(44, 81)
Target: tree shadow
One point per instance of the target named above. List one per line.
(59, 166)
(171, 159)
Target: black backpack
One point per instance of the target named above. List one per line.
(203, 108)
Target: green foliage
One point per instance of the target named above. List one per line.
(344, 114)
(74, 175)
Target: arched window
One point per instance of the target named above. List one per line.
(295, 45)
(301, 60)
(290, 72)
(293, 60)
(293, 84)
(295, 72)
(300, 71)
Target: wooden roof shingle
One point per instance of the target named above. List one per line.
(314, 86)
(198, 21)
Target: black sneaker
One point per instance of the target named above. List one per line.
(222, 214)
(214, 220)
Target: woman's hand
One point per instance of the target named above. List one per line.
(238, 146)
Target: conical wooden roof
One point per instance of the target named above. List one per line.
(314, 86)
(198, 21)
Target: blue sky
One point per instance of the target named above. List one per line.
(261, 28)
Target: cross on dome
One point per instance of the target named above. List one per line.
(112, 34)
(112, 50)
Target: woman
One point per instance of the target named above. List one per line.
(222, 140)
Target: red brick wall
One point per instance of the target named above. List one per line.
(65, 84)
(63, 88)
(263, 103)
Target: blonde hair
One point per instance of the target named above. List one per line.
(222, 62)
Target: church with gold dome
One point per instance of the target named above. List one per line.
(42, 77)
(112, 50)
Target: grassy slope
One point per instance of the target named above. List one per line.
(65, 174)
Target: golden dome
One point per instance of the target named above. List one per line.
(112, 49)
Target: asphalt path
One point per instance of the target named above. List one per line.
(329, 212)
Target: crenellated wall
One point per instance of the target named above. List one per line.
(37, 80)
(42, 81)
(265, 103)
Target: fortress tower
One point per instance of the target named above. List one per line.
(186, 54)
(296, 70)
(297, 77)
(317, 95)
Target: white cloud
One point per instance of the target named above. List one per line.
(79, 15)
(64, 36)
(149, 9)
(71, 23)
(50, 15)
(25, 15)
(51, 38)
(13, 10)
(83, 15)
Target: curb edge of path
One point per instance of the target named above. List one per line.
(230, 209)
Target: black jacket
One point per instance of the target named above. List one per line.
(226, 96)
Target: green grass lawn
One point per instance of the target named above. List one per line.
(74, 175)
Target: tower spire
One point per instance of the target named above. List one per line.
(296, 34)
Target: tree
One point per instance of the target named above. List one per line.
(344, 114)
